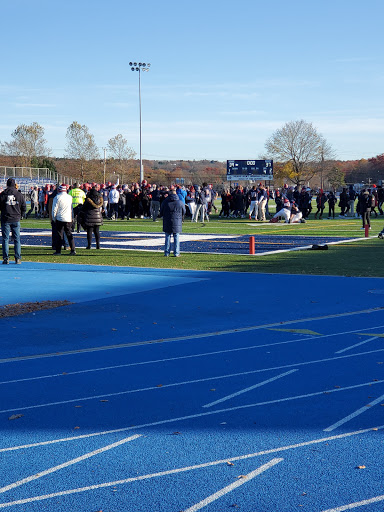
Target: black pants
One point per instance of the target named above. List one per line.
(96, 231)
(366, 218)
(64, 227)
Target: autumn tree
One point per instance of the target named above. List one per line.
(336, 178)
(121, 155)
(27, 143)
(81, 146)
(299, 144)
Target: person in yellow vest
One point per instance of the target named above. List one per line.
(78, 198)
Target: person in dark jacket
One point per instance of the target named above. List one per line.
(365, 205)
(92, 217)
(321, 199)
(13, 208)
(172, 211)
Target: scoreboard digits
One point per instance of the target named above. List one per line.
(249, 170)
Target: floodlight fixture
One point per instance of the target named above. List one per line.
(141, 66)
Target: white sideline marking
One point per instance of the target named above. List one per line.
(228, 397)
(356, 504)
(354, 414)
(188, 417)
(66, 464)
(306, 247)
(211, 334)
(356, 345)
(232, 486)
(198, 466)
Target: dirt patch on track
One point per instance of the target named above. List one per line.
(30, 307)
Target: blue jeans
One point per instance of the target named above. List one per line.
(6, 227)
(176, 240)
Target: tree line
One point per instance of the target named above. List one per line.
(301, 155)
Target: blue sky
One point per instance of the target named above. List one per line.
(224, 75)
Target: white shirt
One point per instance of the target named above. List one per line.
(62, 207)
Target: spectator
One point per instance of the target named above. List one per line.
(62, 215)
(172, 211)
(13, 208)
(91, 216)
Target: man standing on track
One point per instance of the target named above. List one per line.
(13, 208)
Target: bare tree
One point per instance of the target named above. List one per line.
(299, 145)
(27, 143)
(81, 145)
(121, 154)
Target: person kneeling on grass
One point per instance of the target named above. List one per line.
(285, 212)
(296, 214)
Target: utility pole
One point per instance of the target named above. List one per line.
(105, 163)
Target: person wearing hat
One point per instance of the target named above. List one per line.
(62, 215)
(173, 211)
(13, 208)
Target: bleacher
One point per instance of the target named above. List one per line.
(27, 177)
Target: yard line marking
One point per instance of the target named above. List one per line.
(356, 345)
(188, 417)
(205, 335)
(232, 486)
(67, 464)
(354, 414)
(228, 397)
(356, 504)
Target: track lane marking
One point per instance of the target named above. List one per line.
(228, 397)
(174, 384)
(208, 335)
(354, 414)
(356, 345)
(357, 504)
(67, 464)
(192, 416)
(217, 495)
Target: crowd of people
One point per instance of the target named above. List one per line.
(71, 208)
(144, 201)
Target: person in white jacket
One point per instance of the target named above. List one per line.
(62, 215)
(113, 199)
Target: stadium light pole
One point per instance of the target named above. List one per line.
(140, 66)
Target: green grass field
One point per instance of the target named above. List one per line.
(361, 258)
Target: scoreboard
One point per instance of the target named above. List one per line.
(249, 170)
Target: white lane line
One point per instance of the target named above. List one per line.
(228, 397)
(208, 335)
(228, 376)
(356, 345)
(204, 354)
(67, 464)
(354, 414)
(357, 504)
(232, 486)
(189, 417)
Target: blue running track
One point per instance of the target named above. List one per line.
(168, 391)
